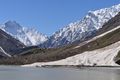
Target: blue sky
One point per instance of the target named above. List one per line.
(49, 15)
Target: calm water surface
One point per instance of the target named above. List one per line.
(20, 73)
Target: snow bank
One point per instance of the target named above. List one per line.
(101, 57)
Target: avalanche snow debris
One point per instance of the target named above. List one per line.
(100, 57)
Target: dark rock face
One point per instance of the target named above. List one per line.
(9, 44)
(2, 55)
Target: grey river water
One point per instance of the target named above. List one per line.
(21, 73)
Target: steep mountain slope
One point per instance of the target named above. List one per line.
(83, 29)
(28, 36)
(8, 44)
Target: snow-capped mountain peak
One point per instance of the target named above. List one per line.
(84, 28)
(28, 36)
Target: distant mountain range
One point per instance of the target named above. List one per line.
(80, 30)
(92, 41)
(84, 28)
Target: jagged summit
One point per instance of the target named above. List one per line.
(27, 36)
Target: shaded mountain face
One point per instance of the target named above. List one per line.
(28, 36)
(82, 29)
(8, 44)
